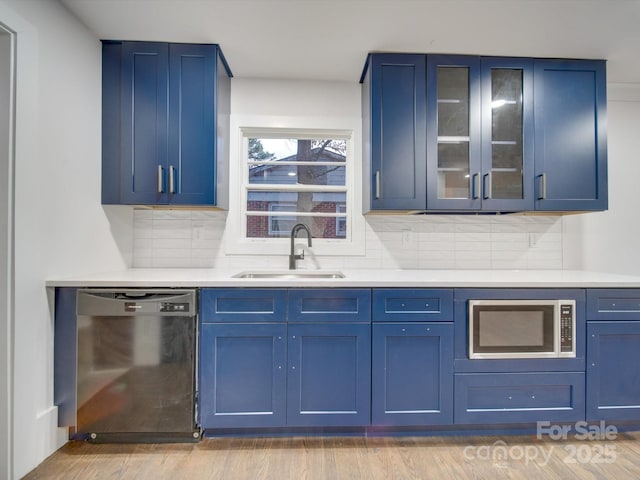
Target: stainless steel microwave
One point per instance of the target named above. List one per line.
(522, 329)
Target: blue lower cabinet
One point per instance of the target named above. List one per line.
(613, 370)
(243, 375)
(329, 377)
(412, 374)
(495, 398)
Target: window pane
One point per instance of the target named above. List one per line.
(280, 226)
(297, 150)
(297, 174)
(327, 202)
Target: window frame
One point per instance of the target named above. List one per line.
(237, 241)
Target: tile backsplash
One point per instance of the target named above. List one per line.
(195, 238)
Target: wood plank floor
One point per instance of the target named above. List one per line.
(337, 458)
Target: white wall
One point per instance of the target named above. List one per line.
(608, 241)
(60, 227)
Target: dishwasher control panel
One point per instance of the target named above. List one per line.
(133, 302)
(170, 307)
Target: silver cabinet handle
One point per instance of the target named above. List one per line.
(160, 179)
(475, 186)
(542, 186)
(377, 184)
(487, 187)
(172, 179)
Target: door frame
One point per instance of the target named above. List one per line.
(7, 222)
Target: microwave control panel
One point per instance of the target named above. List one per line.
(566, 328)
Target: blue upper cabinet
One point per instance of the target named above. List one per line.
(165, 123)
(490, 134)
(394, 132)
(571, 139)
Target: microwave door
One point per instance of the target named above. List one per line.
(512, 331)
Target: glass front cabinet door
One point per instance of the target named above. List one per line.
(479, 148)
(507, 134)
(453, 132)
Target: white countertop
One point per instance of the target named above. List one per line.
(179, 277)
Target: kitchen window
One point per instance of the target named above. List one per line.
(291, 176)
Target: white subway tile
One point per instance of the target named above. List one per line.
(513, 264)
(448, 256)
(174, 238)
(171, 253)
(181, 262)
(142, 262)
(436, 264)
(473, 264)
(142, 214)
(171, 214)
(142, 243)
(518, 246)
(204, 262)
(467, 228)
(361, 263)
(183, 244)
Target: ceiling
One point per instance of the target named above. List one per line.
(329, 39)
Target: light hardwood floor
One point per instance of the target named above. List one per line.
(337, 458)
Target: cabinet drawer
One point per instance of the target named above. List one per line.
(330, 305)
(490, 398)
(222, 305)
(421, 305)
(613, 304)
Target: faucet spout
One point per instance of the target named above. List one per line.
(293, 257)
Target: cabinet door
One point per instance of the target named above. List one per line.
(571, 141)
(242, 375)
(144, 120)
(613, 370)
(453, 133)
(507, 134)
(329, 378)
(191, 160)
(398, 129)
(412, 372)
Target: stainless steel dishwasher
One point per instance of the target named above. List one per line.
(136, 365)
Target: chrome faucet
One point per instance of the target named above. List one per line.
(292, 256)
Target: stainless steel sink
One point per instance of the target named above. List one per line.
(289, 274)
